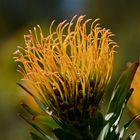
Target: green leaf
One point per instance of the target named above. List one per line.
(65, 135)
(127, 125)
(121, 94)
(40, 104)
(122, 89)
(47, 121)
(36, 127)
(33, 125)
(110, 132)
(67, 131)
(29, 110)
(97, 124)
(132, 136)
(35, 137)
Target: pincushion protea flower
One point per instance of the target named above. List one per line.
(67, 73)
(70, 69)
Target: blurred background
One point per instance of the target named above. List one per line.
(18, 16)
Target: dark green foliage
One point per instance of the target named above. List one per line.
(97, 124)
(63, 134)
(121, 94)
(68, 129)
(35, 137)
(98, 127)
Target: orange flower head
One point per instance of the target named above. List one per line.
(70, 68)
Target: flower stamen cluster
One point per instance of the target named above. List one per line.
(70, 67)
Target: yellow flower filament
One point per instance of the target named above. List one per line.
(73, 55)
